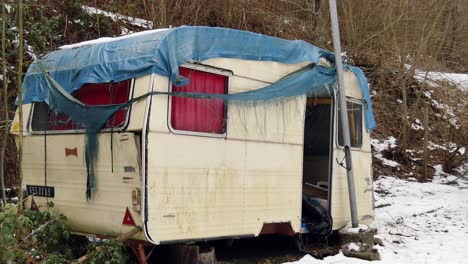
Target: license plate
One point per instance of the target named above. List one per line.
(43, 191)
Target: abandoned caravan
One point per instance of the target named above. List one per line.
(194, 133)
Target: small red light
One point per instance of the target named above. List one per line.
(128, 218)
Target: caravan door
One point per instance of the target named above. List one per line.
(362, 161)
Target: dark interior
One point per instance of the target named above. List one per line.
(317, 147)
(316, 166)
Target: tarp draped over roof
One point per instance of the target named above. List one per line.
(53, 77)
(162, 51)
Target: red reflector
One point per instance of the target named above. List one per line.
(33, 204)
(128, 218)
(73, 151)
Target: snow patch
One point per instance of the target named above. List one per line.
(433, 146)
(109, 39)
(459, 79)
(454, 123)
(353, 246)
(30, 51)
(307, 259)
(125, 32)
(427, 94)
(448, 113)
(387, 162)
(354, 230)
(462, 151)
(417, 125)
(390, 143)
(450, 147)
(139, 22)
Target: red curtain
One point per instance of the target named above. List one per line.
(97, 94)
(60, 122)
(196, 114)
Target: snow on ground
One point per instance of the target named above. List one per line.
(448, 112)
(139, 22)
(432, 77)
(460, 79)
(354, 230)
(390, 143)
(446, 109)
(417, 125)
(418, 222)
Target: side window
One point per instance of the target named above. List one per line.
(355, 124)
(197, 114)
(89, 94)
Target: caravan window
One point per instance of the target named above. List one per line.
(89, 94)
(355, 124)
(196, 114)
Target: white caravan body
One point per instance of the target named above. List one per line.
(190, 186)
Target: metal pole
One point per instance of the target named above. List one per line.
(343, 112)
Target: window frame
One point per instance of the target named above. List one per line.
(337, 125)
(207, 69)
(82, 131)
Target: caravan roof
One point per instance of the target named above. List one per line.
(163, 51)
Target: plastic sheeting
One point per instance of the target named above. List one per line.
(162, 51)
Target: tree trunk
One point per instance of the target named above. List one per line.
(20, 105)
(426, 143)
(4, 141)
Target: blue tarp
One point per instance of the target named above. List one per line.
(162, 51)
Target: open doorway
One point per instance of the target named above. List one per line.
(316, 164)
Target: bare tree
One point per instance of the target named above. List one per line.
(20, 104)
(4, 141)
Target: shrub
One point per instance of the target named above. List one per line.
(30, 235)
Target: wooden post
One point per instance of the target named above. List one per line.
(20, 105)
(426, 143)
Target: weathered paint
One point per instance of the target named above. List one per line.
(197, 186)
(67, 174)
(203, 187)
